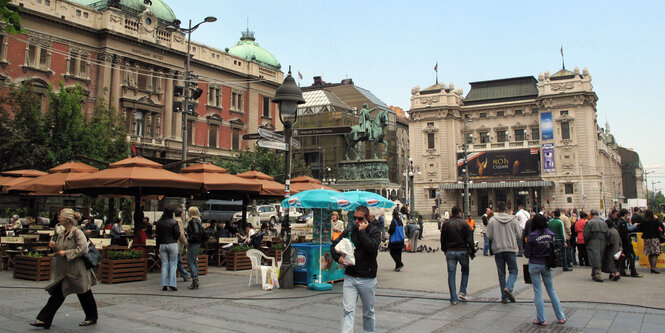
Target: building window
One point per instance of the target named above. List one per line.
(77, 65)
(483, 115)
(518, 112)
(430, 141)
(469, 138)
(266, 107)
(535, 133)
(214, 96)
(430, 124)
(213, 134)
(139, 124)
(501, 136)
(484, 137)
(569, 188)
(569, 200)
(500, 113)
(236, 101)
(190, 132)
(519, 135)
(235, 139)
(564, 113)
(38, 57)
(565, 131)
(467, 116)
(432, 193)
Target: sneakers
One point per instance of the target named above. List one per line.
(399, 268)
(509, 294)
(636, 275)
(462, 296)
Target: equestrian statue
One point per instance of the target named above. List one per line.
(367, 130)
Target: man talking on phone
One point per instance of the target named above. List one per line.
(359, 279)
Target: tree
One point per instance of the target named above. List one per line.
(265, 160)
(23, 143)
(106, 135)
(65, 125)
(9, 14)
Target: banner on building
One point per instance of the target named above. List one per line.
(546, 126)
(548, 157)
(501, 163)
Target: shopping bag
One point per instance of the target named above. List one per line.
(527, 275)
(274, 276)
(345, 247)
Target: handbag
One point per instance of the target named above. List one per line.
(527, 275)
(91, 259)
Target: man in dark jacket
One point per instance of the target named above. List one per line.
(595, 238)
(457, 244)
(360, 279)
(624, 228)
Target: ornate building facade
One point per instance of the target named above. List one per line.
(122, 51)
(530, 142)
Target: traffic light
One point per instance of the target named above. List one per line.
(196, 93)
(178, 91)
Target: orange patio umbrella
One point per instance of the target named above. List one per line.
(304, 183)
(269, 187)
(217, 181)
(53, 183)
(135, 176)
(14, 177)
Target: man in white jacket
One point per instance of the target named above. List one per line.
(504, 232)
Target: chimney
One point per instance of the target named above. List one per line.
(318, 81)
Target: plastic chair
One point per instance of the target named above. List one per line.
(255, 257)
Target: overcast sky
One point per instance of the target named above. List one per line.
(390, 46)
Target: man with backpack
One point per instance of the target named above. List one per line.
(396, 245)
(457, 244)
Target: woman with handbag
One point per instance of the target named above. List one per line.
(70, 275)
(396, 245)
(652, 238)
(539, 248)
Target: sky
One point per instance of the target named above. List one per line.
(390, 46)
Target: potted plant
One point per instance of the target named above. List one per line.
(275, 251)
(237, 259)
(202, 261)
(123, 266)
(32, 266)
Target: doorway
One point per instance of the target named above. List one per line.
(483, 202)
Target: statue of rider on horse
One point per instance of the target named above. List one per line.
(367, 130)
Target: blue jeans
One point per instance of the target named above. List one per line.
(452, 257)
(354, 287)
(181, 267)
(168, 253)
(192, 256)
(560, 243)
(502, 259)
(537, 271)
(486, 246)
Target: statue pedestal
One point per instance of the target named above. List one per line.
(363, 171)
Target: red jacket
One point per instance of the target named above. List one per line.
(579, 229)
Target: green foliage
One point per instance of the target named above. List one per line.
(240, 248)
(261, 159)
(126, 211)
(277, 246)
(34, 254)
(9, 14)
(65, 125)
(131, 254)
(106, 134)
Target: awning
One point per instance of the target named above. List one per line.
(501, 184)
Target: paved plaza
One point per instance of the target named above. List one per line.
(414, 300)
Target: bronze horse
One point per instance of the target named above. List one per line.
(376, 135)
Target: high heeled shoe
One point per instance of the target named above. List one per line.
(39, 323)
(88, 322)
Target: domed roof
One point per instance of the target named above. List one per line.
(248, 49)
(158, 8)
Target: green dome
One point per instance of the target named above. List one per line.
(248, 49)
(135, 7)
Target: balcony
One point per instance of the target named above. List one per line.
(500, 145)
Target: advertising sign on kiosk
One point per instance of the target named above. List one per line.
(638, 247)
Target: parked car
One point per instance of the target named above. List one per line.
(266, 213)
(220, 210)
(306, 218)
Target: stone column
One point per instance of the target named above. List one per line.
(168, 107)
(117, 83)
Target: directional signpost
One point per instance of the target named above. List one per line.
(264, 133)
(271, 144)
(322, 131)
(275, 140)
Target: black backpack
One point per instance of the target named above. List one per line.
(195, 232)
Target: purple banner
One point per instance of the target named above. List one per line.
(548, 157)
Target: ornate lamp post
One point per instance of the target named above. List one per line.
(287, 96)
(185, 103)
(465, 171)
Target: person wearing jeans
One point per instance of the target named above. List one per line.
(168, 232)
(196, 236)
(538, 248)
(168, 253)
(457, 244)
(504, 232)
(359, 279)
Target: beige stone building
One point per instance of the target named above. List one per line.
(531, 142)
(122, 51)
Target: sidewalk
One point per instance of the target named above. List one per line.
(226, 304)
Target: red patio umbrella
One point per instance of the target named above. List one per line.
(304, 183)
(14, 177)
(53, 183)
(216, 179)
(269, 187)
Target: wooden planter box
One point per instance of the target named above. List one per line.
(237, 261)
(277, 254)
(123, 270)
(202, 261)
(31, 268)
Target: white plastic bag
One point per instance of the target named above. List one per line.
(345, 248)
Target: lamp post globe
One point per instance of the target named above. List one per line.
(287, 96)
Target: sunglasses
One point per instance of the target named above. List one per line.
(359, 218)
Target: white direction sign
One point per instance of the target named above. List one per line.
(295, 144)
(271, 144)
(264, 133)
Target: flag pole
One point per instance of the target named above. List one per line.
(436, 69)
(563, 64)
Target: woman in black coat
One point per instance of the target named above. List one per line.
(396, 245)
(650, 233)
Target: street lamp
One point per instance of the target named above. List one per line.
(185, 103)
(412, 202)
(465, 171)
(287, 96)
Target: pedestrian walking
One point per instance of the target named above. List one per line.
(522, 216)
(457, 245)
(651, 236)
(196, 236)
(572, 240)
(396, 245)
(563, 216)
(581, 247)
(625, 228)
(421, 227)
(167, 234)
(70, 274)
(557, 227)
(182, 243)
(486, 242)
(613, 252)
(595, 238)
(539, 247)
(412, 232)
(504, 233)
(359, 279)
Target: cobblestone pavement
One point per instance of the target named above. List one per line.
(414, 300)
